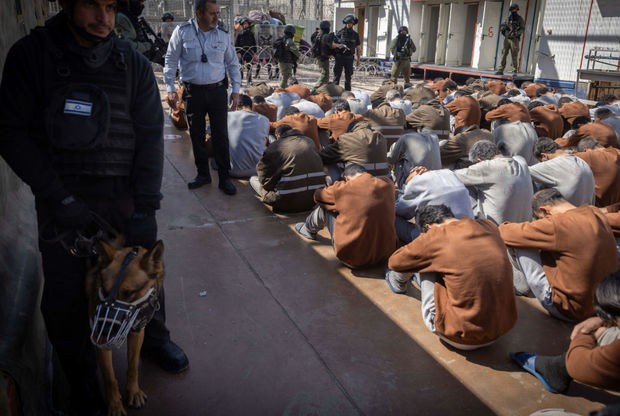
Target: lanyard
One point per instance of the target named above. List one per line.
(203, 57)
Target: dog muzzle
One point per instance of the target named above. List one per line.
(113, 318)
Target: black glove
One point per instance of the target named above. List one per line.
(141, 230)
(70, 212)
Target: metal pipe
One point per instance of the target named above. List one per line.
(585, 40)
(529, 46)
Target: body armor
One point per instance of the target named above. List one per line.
(88, 122)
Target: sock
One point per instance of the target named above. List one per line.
(553, 369)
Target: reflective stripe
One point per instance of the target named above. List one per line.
(392, 127)
(437, 132)
(300, 189)
(375, 166)
(383, 130)
(302, 176)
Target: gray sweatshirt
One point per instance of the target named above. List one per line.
(569, 174)
(500, 188)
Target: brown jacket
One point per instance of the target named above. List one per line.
(547, 121)
(330, 89)
(302, 91)
(337, 123)
(466, 111)
(510, 112)
(603, 133)
(268, 110)
(432, 116)
(530, 90)
(497, 87)
(259, 88)
(605, 165)
(488, 101)
(417, 93)
(303, 122)
(475, 302)
(290, 171)
(361, 145)
(570, 111)
(596, 366)
(458, 147)
(364, 232)
(322, 100)
(379, 93)
(578, 250)
(387, 120)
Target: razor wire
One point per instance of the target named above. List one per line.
(262, 62)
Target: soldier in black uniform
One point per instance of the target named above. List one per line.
(344, 56)
(245, 44)
(82, 125)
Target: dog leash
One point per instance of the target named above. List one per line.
(75, 241)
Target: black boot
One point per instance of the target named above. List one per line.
(226, 185)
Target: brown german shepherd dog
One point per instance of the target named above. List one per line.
(122, 290)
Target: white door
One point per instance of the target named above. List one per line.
(442, 34)
(456, 38)
(487, 32)
(383, 32)
(415, 29)
(424, 38)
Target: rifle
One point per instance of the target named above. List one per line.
(345, 48)
(401, 52)
(157, 53)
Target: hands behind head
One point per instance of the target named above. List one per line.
(589, 326)
(415, 171)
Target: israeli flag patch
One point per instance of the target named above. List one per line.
(78, 108)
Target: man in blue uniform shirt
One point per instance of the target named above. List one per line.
(204, 55)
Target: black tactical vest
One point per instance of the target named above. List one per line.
(347, 36)
(87, 119)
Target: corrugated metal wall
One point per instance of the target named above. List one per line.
(563, 34)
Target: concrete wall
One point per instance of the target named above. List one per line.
(22, 336)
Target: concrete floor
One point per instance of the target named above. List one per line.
(275, 325)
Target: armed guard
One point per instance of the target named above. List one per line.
(136, 30)
(287, 54)
(344, 56)
(245, 44)
(402, 48)
(323, 48)
(512, 30)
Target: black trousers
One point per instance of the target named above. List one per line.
(64, 303)
(346, 62)
(201, 101)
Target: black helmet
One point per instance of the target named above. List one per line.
(325, 25)
(244, 19)
(289, 29)
(403, 29)
(514, 6)
(349, 19)
(166, 15)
